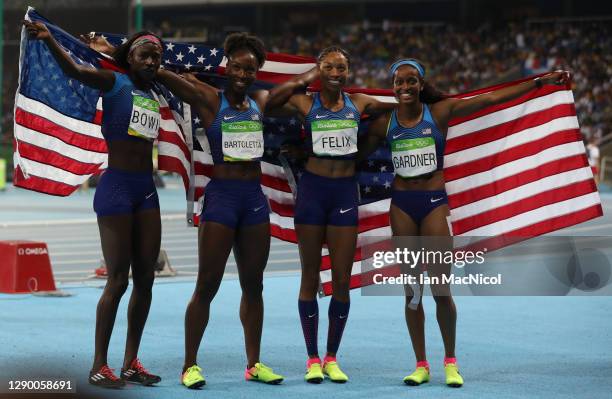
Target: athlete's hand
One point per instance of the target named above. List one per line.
(98, 43)
(556, 78)
(36, 30)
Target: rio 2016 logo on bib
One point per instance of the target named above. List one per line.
(414, 157)
(242, 140)
(145, 118)
(334, 137)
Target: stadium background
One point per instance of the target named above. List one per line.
(465, 44)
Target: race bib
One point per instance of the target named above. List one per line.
(145, 118)
(334, 137)
(414, 157)
(242, 141)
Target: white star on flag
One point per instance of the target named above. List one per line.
(179, 56)
(214, 52)
(192, 49)
(196, 120)
(188, 65)
(170, 46)
(207, 67)
(201, 59)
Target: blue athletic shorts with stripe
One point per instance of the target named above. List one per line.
(122, 192)
(235, 203)
(327, 201)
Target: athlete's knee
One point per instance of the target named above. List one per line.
(444, 300)
(117, 284)
(205, 291)
(252, 290)
(341, 284)
(143, 281)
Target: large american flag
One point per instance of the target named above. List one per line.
(515, 169)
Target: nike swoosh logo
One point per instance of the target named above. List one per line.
(399, 135)
(256, 209)
(310, 316)
(345, 210)
(149, 196)
(135, 94)
(342, 317)
(436, 199)
(321, 116)
(227, 118)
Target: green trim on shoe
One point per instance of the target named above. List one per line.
(333, 372)
(314, 374)
(192, 378)
(418, 377)
(262, 373)
(453, 378)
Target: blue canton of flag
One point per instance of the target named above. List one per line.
(42, 79)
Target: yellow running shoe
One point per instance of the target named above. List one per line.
(262, 373)
(333, 372)
(314, 372)
(453, 378)
(418, 377)
(192, 378)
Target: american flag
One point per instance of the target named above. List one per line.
(516, 169)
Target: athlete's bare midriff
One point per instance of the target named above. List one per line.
(331, 167)
(430, 183)
(237, 171)
(130, 155)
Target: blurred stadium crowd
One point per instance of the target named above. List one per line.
(459, 59)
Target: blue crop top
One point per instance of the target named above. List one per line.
(236, 135)
(417, 150)
(329, 134)
(129, 113)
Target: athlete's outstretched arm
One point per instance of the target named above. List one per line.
(285, 92)
(189, 89)
(370, 105)
(453, 107)
(372, 139)
(100, 79)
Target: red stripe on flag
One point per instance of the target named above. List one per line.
(530, 95)
(275, 183)
(510, 182)
(48, 157)
(49, 128)
(524, 205)
(42, 185)
(487, 163)
(506, 129)
(172, 137)
(282, 233)
(172, 164)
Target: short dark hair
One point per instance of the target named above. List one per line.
(242, 40)
(120, 55)
(334, 49)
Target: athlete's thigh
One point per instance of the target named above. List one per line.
(146, 238)
(251, 249)
(310, 243)
(116, 241)
(215, 242)
(437, 238)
